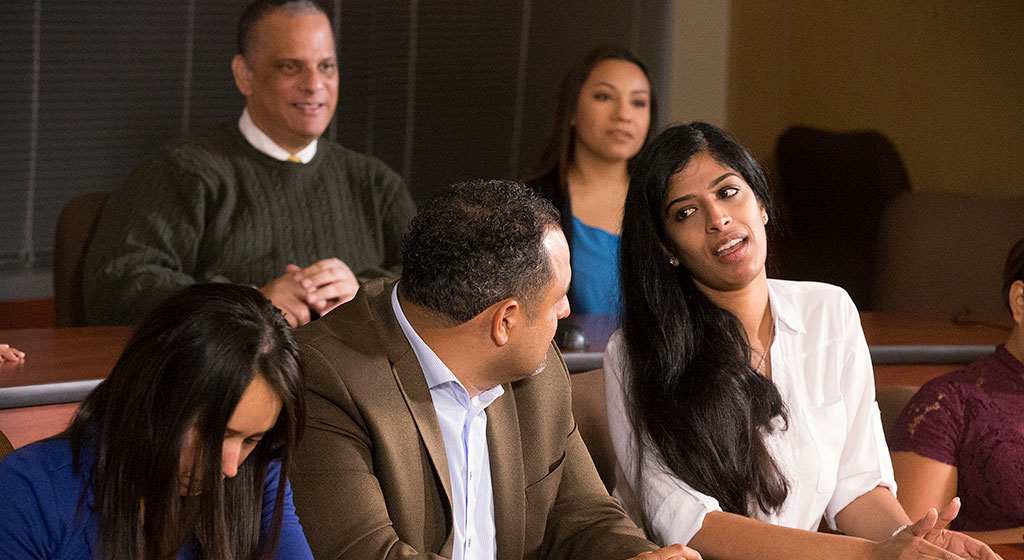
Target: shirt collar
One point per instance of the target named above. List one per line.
(784, 310)
(263, 143)
(434, 370)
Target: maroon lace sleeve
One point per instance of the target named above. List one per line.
(972, 419)
(931, 423)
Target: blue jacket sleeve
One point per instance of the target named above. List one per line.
(292, 544)
(30, 518)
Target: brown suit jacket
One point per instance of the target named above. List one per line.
(371, 477)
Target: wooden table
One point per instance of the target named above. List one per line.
(1010, 551)
(88, 353)
(61, 355)
(60, 365)
(898, 327)
(906, 348)
(888, 329)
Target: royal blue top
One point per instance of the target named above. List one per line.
(39, 497)
(595, 269)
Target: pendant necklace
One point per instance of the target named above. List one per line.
(767, 350)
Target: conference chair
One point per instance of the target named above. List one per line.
(588, 407)
(75, 227)
(944, 252)
(5, 445)
(892, 399)
(834, 187)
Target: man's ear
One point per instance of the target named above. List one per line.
(505, 318)
(242, 73)
(1016, 301)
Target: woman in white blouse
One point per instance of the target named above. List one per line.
(742, 409)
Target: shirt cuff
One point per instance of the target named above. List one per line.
(680, 515)
(853, 487)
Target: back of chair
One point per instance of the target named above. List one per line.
(943, 251)
(588, 407)
(834, 188)
(75, 227)
(892, 399)
(5, 445)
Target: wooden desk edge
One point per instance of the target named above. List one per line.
(1009, 551)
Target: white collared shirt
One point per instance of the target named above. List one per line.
(463, 423)
(834, 450)
(263, 143)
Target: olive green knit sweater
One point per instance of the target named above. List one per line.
(212, 208)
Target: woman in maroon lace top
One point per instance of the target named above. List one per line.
(963, 434)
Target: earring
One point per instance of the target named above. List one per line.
(673, 261)
(764, 218)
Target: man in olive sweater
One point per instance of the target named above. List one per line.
(262, 201)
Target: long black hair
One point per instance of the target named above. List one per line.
(186, 366)
(560, 148)
(692, 394)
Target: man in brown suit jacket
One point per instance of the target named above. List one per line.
(485, 273)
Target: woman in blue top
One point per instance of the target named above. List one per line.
(605, 108)
(154, 463)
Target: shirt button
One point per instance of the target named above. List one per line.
(471, 475)
(469, 543)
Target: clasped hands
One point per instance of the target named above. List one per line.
(928, 538)
(318, 288)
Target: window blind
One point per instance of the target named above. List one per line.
(441, 90)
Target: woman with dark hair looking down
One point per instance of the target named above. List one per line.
(603, 118)
(742, 409)
(181, 452)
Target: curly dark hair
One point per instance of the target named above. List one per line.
(476, 244)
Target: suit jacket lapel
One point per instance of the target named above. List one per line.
(505, 450)
(413, 384)
(417, 396)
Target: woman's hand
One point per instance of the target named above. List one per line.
(932, 528)
(8, 354)
(928, 538)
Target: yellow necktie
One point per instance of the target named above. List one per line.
(294, 158)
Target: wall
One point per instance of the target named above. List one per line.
(441, 91)
(698, 62)
(943, 80)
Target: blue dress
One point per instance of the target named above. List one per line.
(595, 270)
(39, 496)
